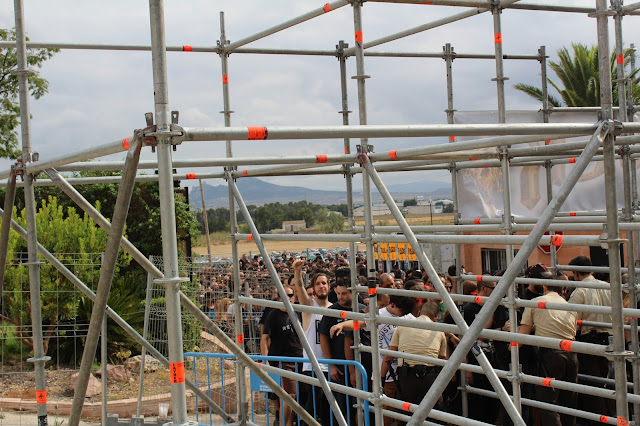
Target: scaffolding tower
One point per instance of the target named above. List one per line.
(612, 137)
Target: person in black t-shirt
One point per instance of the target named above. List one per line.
(279, 338)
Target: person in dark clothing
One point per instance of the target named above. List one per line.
(280, 339)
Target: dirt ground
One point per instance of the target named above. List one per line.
(224, 249)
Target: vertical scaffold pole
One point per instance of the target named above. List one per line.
(205, 222)
(506, 200)
(621, 83)
(449, 55)
(171, 280)
(364, 147)
(39, 358)
(357, 355)
(613, 238)
(241, 386)
(9, 200)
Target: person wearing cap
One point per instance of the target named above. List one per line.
(555, 363)
(591, 365)
(538, 271)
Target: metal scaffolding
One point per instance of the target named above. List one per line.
(611, 138)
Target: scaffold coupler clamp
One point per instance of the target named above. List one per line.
(607, 243)
(18, 168)
(340, 48)
(612, 355)
(614, 127)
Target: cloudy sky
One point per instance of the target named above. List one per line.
(101, 96)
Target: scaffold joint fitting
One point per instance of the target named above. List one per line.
(42, 359)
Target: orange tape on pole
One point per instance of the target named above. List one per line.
(359, 37)
(565, 345)
(176, 372)
(497, 38)
(225, 79)
(620, 59)
(452, 138)
(240, 338)
(346, 150)
(604, 419)
(478, 300)
(245, 173)
(41, 396)
(257, 133)
(622, 421)
(327, 8)
(250, 237)
(406, 406)
(474, 159)
(572, 160)
(515, 344)
(356, 325)
(393, 154)
(579, 322)
(572, 214)
(428, 2)
(343, 314)
(476, 221)
(321, 158)
(191, 175)
(372, 291)
(556, 240)
(479, 278)
(187, 48)
(542, 305)
(547, 142)
(547, 382)
(125, 143)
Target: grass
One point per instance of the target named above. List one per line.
(218, 237)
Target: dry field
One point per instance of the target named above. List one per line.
(221, 245)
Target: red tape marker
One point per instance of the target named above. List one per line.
(321, 158)
(191, 175)
(620, 59)
(572, 160)
(428, 2)
(250, 237)
(556, 240)
(359, 37)
(372, 291)
(579, 322)
(565, 345)
(240, 338)
(176, 372)
(41, 396)
(406, 406)
(542, 305)
(257, 133)
(393, 154)
(476, 221)
(622, 421)
(452, 138)
(187, 48)
(547, 382)
(515, 344)
(356, 325)
(225, 79)
(604, 419)
(125, 143)
(343, 314)
(479, 278)
(346, 150)
(573, 214)
(245, 173)
(497, 38)
(478, 300)
(327, 8)
(547, 142)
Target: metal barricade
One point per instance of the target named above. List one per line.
(256, 384)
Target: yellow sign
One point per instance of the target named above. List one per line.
(375, 251)
(402, 252)
(384, 251)
(412, 254)
(393, 253)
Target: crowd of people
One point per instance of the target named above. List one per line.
(326, 283)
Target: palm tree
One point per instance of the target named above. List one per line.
(579, 76)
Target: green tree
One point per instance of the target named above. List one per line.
(332, 224)
(410, 202)
(60, 230)
(579, 78)
(9, 91)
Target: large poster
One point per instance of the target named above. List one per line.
(480, 190)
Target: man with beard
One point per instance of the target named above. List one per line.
(310, 322)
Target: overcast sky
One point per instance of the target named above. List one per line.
(101, 96)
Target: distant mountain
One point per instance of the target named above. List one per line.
(258, 192)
